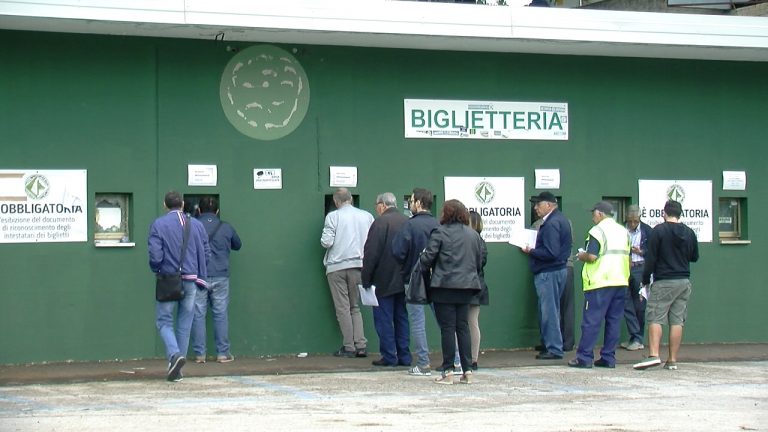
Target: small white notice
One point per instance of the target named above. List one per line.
(734, 180)
(343, 176)
(547, 178)
(201, 175)
(267, 178)
(523, 238)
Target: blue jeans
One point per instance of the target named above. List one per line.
(601, 304)
(217, 295)
(418, 334)
(549, 289)
(391, 321)
(634, 306)
(176, 341)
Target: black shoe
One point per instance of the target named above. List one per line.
(361, 352)
(577, 364)
(540, 348)
(548, 356)
(342, 352)
(603, 364)
(381, 362)
(174, 368)
(474, 366)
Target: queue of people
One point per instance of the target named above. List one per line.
(630, 271)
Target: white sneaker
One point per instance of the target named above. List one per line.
(634, 346)
(420, 371)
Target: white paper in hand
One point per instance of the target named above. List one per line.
(644, 292)
(368, 295)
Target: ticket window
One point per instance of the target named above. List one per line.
(113, 219)
(730, 220)
(331, 206)
(192, 201)
(620, 205)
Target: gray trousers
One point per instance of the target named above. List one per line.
(345, 294)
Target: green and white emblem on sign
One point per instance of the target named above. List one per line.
(676, 193)
(264, 92)
(484, 192)
(36, 186)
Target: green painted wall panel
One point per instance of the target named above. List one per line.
(134, 112)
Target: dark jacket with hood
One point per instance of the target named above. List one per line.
(380, 267)
(672, 246)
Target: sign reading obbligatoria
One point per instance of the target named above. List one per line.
(43, 206)
(428, 118)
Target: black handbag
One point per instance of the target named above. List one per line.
(416, 290)
(168, 286)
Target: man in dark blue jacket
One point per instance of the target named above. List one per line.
(164, 244)
(380, 268)
(548, 264)
(222, 239)
(634, 304)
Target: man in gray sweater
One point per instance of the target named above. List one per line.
(344, 234)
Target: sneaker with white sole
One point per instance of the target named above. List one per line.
(647, 363)
(446, 377)
(420, 371)
(457, 369)
(634, 346)
(174, 367)
(221, 358)
(670, 365)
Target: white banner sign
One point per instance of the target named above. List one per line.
(499, 200)
(267, 178)
(694, 195)
(429, 118)
(43, 206)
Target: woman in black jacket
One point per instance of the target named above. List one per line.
(454, 253)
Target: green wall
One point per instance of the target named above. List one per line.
(134, 112)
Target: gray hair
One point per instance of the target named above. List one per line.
(633, 210)
(388, 199)
(342, 196)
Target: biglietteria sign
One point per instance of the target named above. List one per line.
(429, 118)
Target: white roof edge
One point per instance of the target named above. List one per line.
(406, 24)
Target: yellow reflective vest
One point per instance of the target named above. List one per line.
(611, 268)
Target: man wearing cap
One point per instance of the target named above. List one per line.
(605, 277)
(547, 260)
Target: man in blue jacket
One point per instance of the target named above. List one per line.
(547, 261)
(164, 244)
(406, 247)
(222, 238)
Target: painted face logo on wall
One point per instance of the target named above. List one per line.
(676, 193)
(484, 192)
(36, 186)
(264, 92)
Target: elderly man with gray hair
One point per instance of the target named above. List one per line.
(634, 304)
(381, 269)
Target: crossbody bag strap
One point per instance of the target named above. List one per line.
(187, 223)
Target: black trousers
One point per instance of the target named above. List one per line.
(453, 320)
(567, 313)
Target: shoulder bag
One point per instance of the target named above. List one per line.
(168, 286)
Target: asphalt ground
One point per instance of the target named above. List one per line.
(510, 392)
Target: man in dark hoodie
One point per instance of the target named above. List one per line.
(672, 246)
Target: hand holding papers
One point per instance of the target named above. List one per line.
(368, 295)
(523, 238)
